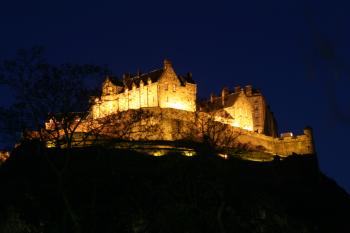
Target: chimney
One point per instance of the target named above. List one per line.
(138, 72)
(248, 90)
(126, 77)
(237, 89)
(224, 94)
(167, 64)
(212, 97)
(189, 75)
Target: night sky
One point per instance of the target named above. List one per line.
(296, 52)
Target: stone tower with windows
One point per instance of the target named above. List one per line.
(159, 88)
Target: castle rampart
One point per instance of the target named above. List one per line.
(282, 146)
(172, 124)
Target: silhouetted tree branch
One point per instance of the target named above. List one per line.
(47, 92)
(44, 90)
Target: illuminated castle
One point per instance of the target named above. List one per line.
(177, 115)
(243, 108)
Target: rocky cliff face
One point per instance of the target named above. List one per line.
(109, 190)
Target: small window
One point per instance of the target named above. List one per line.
(109, 90)
(174, 87)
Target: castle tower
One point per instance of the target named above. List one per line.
(309, 133)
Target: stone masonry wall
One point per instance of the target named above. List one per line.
(242, 113)
(143, 96)
(166, 93)
(173, 124)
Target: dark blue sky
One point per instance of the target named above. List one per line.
(291, 50)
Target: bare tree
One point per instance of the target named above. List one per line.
(47, 93)
(44, 91)
(133, 124)
(210, 129)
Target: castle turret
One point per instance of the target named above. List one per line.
(308, 132)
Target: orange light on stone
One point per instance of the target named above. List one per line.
(178, 105)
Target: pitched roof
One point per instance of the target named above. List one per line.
(154, 75)
(216, 103)
(229, 101)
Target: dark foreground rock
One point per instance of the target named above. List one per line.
(100, 190)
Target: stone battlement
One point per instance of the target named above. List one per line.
(167, 124)
(283, 146)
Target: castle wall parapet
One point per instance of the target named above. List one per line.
(282, 146)
(176, 124)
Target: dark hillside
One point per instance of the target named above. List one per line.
(108, 190)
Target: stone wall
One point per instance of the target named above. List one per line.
(138, 97)
(242, 113)
(300, 144)
(168, 124)
(172, 124)
(174, 94)
(258, 111)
